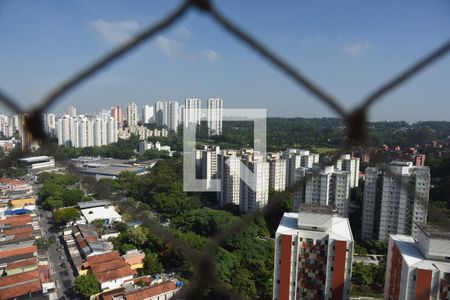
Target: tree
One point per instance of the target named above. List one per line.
(151, 264)
(98, 225)
(362, 274)
(137, 236)
(42, 243)
(204, 221)
(72, 197)
(66, 215)
(86, 285)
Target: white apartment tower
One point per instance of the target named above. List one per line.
(323, 187)
(277, 172)
(209, 163)
(132, 114)
(255, 189)
(166, 114)
(215, 116)
(313, 255)
(72, 111)
(296, 158)
(192, 108)
(395, 200)
(229, 172)
(351, 164)
(147, 114)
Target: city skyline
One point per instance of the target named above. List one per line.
(349, 52)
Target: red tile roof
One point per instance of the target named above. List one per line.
(20, 290)
(18, 278)
(114, 274)
(151, 291)
(17, 230)
(10, 181)
(16, 220)
(137, 258)
(108, 265)
(44, 273)
(18, 251)
(21, 263)
(103, 257)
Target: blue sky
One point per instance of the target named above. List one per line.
(347, 47)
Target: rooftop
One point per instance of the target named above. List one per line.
(411, 254)
(151, 291)
(17, 251)
(109, 266)
(339, 229)
(34, 159)
(317, 209)
(95, 203)
(100, 212)
(435, 232)
(22, 263)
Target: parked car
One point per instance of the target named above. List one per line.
(62, 258)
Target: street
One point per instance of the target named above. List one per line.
(63, 274)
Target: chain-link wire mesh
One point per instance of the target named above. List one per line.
(205, 275)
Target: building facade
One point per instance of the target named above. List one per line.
(395, 200)
(313, 255)
(418, 268)
(215, 116)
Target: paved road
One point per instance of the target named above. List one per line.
(64, 276)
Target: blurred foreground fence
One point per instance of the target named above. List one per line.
(205, 276)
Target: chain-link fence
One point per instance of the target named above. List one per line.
(205, 275)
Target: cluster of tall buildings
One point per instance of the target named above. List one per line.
(171, 114)
(81, 131)
(395, 200)
(296, 170)
(9, 125)
(314, 244)
(107, 126)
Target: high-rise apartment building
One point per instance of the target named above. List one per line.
(132, 114)
(313, 255)
(395, 200)
(323, 187)
(87, 131)
(229, 172)
(192, 108)
(418, 268)
(147, 114)
(72, 111)
(166, 114)
(351, 164)
(181, 115)
(215, 116)
(209, 163)
(296, 158)
(255, 186)
(277, 172)
(118, 115)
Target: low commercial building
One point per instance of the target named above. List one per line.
(106, 213)
(37, 162)
(418, 268)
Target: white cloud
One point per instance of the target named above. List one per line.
(169, 47)
(115, 32)
(182, 32)
(357, 48)
(210, 55)
(311, 40)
